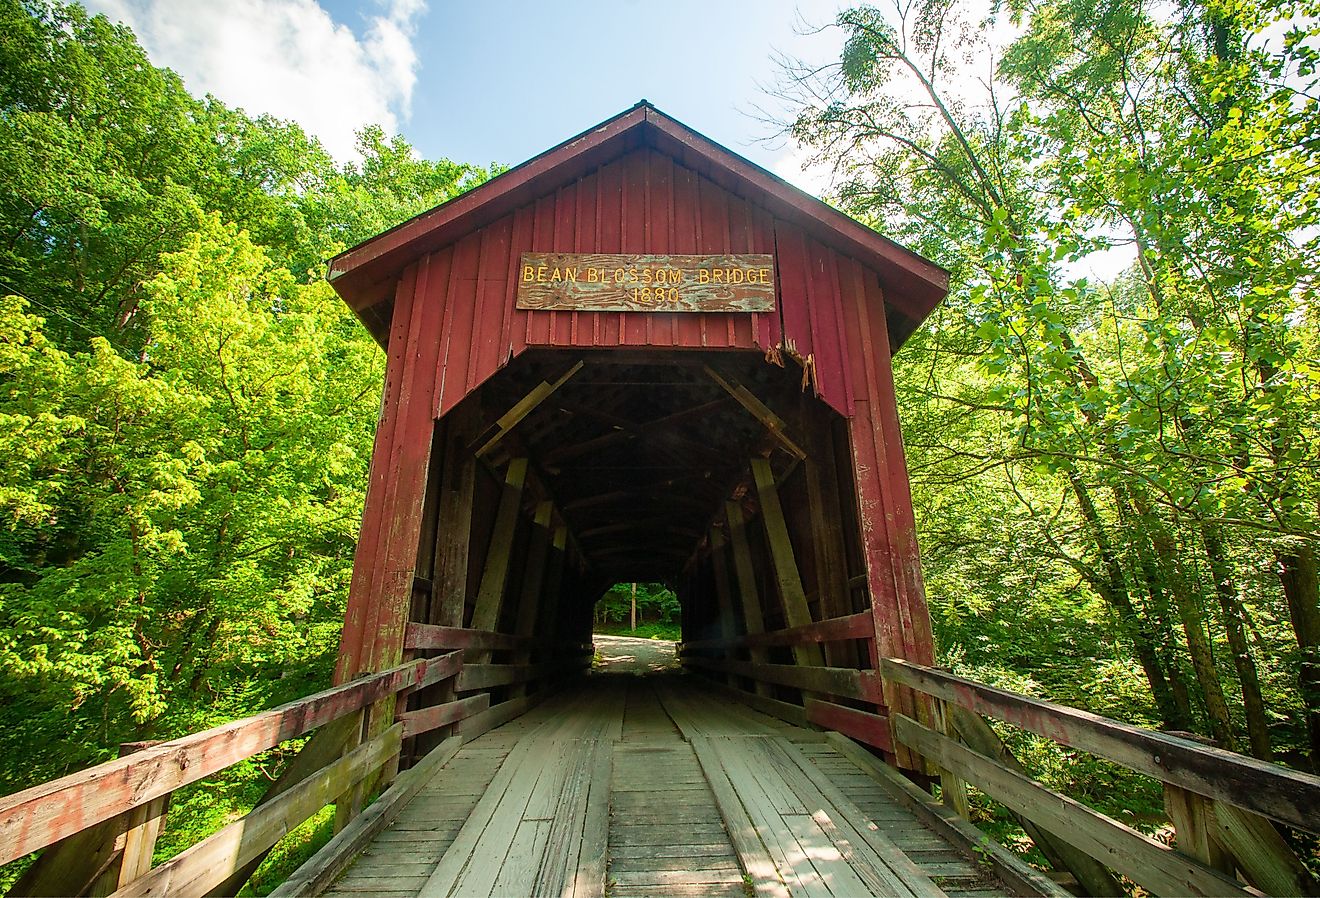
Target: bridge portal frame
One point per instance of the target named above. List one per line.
(453, 503)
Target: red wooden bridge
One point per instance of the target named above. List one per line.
(529, 458)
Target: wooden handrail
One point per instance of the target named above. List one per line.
(98, 804)
(487, 676)
(863, 685)
(431, 636)
(836, 629)
(872, 729)
(1147, 862)
(90, 801)
(37, 817)
(1288, 796)
(208, 863)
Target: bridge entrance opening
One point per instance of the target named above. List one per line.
(712, 476)
(647, 610)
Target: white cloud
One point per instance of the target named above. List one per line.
(288, 58)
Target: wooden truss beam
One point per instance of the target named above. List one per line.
(521, 409)
(745, 576)
(495, 575)
(791, 593)
(760, 411)
(628, 430)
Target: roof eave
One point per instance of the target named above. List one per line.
(364, 276)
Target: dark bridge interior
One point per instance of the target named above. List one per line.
(640, 453)
(637, 461)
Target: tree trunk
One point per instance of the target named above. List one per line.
(1162, 627)
(1253, 702)
(1134, 625)
(1168, 560)
(1297, 572)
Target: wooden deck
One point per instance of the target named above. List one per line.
(649, 786)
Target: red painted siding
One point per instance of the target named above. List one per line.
(640, 202)
(454, 325)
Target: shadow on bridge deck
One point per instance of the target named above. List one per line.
(632, 785)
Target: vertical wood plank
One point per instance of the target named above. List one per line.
(831, 566)
(1193, 823)
(485, 331)
(565, 241)
(361, 594)
(548, 616)
(751, 601)
(687, 232)
(768, 328)
(633, 239)
(535, 565)
(495, 574)
(953, 791)
(791, 256)
(410, 471)
(791, 593)
(919, 641)
(723, 596)
(609, 239)
(496, 295)
(887, 583)
(144, 826)
(544, 218)
(458, 332)
(660, 234)
(521, 241)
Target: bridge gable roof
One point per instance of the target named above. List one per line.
(367, 275)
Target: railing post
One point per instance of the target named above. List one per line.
(953, 791)
(350, 803)
(1192, 816)
(144, 826)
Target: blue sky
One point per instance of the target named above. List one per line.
(492, 81)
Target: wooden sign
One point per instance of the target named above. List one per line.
(599, 282)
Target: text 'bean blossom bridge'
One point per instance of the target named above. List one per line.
(639, 357)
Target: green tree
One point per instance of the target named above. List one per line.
(186, 408)
(1152, 427)
(183, 524)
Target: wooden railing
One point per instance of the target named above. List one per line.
(567, 659)
(1220, 803)
(97, 828)
(862, 686)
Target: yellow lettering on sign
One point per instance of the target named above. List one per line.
(540, 272)
(618, 275)
(529, 274)
(570, 274)
(703, 276)
(765, 275)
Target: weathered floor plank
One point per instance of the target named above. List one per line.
(634, 787)
(675, 846)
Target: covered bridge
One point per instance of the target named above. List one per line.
(639, 357)
(529, 458)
